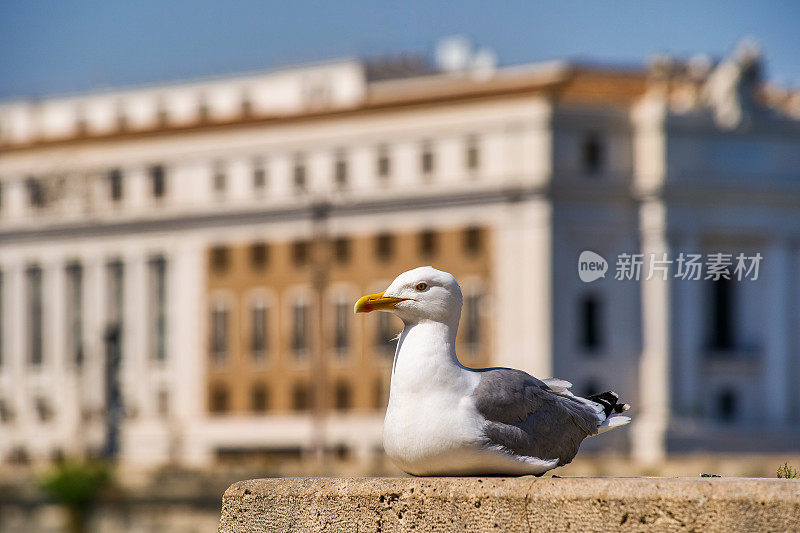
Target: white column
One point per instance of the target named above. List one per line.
(137, 188)
(135, 347)
(94, 320)
(523, 293)
(15, 202)
(688, 339)
(187, 358)
(776, 268)
(63, 394)
(240, 179)
(16, 357)
(650, 423)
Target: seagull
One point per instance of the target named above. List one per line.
(446, 419)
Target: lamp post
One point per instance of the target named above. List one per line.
(319, 280)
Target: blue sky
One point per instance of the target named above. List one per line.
(55, 47)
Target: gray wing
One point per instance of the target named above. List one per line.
(528, 418)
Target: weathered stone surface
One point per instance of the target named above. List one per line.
(512, 504)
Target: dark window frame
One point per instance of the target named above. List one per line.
(383, 163)
(593, 157)
(427, 159)
(115, 185)
(158, 179)
(590, 323)
(472, 154)
(384, 246)
(428, 241)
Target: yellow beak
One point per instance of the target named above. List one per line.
(373, 302)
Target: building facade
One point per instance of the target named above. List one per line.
(221, 230)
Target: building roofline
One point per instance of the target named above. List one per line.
(557, 80)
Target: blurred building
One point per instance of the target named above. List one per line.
(203, 220)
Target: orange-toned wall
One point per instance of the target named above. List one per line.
(364, 366)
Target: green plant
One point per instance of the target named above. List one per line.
(787, 472)
(75, 485)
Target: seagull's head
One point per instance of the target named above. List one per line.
(420, 294)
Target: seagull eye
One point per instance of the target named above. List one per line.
(422, 286)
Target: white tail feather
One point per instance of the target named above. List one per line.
(613, 422)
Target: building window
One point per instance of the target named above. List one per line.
(259, 174)
(301, 400)
(426, 159)
(592, 154)
(33, 277)
(258, 340)
(162, 403)
(115, 303)
(300, 252)
(115, 184)
(220, 259)
(384, 163)
(36, 196)
(722, 334)
(219, 333)
(427, 243)
(300, 329)
(385, 335)
(43, 410)
(158, 308)
(340, 171)
(259, 398)
(472, 153)
(472, 321)
(384, 246)
(727, 405)
(342, 396)
(473, 241)
(74, 275)
(157, 181)
(6, 412)
(299, 174)
(343, 310)
(259, 255)
(220, 178)
(219, 399)
(590, 316)
(341, 249)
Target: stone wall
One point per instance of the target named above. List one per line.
(512, 504)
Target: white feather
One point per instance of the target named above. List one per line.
(613, 422)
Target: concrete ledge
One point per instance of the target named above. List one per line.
(512, 504)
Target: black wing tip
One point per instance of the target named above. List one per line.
(609, 400)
